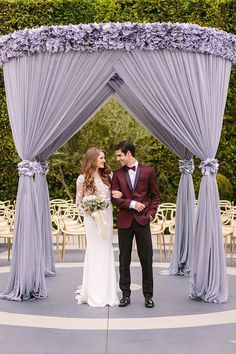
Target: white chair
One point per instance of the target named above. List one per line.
(57, 203)
(233, 238)
(171, 239)
(168, 210)
(3, 218)
(56, 232)
(233, 235)
(76, 230)
(6, 232)
(71, 215)
(225, 205)
(228, 227)
(157, 227)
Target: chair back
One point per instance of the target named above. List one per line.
(168, 210)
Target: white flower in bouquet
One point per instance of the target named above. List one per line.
(95, 205)
(92, 203)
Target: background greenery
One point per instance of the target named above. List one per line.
(112, 124)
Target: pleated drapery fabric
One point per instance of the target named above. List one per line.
(185, 215)
(46, 94)
(41, 181)
(186, 93)
(51, 96)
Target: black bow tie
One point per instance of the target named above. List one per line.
(131, 168)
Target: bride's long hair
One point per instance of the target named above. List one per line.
(89, 167)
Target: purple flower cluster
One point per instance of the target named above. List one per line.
(209, 167)
(29, 168)
(118, 36)
(186, 166)
(41, 167)
(26, 168)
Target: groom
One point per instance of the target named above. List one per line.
(137, 207)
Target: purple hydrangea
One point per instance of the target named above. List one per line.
(118, 36)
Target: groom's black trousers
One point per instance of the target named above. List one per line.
(143, 239)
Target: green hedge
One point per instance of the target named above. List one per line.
(20, 14)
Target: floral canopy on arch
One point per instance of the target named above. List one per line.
(118, 36)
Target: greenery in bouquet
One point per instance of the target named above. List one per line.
(92, 203)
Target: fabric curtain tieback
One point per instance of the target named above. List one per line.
(41, 167)
(26, 168)
(209, 167)
(186, 166)
(29, 168)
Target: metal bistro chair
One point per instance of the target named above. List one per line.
(7, 224)
(6, 232)
(56, 232)
(57, 203)
(225, 205)
(228, 227)
(157, 228)
(71, 214)
(168, 210)
(171, 240)
(75, 229)
(3, 218)
(233, 235)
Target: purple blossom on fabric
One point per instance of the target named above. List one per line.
(41, 167)
(26, 168)
(209, 167)
(118, 36)
(186, 166)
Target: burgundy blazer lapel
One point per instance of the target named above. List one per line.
(128, 179)
(136, 177)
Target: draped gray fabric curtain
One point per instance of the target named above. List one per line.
(186, 93)
(41, 181)
(184, 225)
(45, 95)
(45, 222)
(89, 110)
(185, 213)
(26, 277)
(50, 96)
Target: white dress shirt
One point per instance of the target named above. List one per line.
(132, 175)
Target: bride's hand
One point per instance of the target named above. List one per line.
(116, 194)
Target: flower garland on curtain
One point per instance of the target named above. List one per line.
(118, 36)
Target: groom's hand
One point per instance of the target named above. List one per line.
(139, 206)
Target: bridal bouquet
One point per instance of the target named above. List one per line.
(94, 203)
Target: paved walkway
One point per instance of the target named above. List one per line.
(58, 325)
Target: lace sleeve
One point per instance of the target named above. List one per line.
(79, 189)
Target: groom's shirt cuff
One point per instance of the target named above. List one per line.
(132, 204)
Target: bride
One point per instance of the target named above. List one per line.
(99, 277)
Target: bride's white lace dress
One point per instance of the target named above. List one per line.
(99, 286)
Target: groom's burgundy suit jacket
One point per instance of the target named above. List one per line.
(145, 191)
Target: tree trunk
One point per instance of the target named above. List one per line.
(61, 179)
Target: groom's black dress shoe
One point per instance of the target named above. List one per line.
(149, 302)
(125, 301)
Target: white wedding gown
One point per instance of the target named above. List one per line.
(99, 286)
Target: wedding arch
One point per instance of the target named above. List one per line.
(173, 78)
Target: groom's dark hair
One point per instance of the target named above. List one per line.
(126, 146)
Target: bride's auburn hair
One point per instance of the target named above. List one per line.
(89, 167)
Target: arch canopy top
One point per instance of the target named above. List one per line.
(126, 36)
